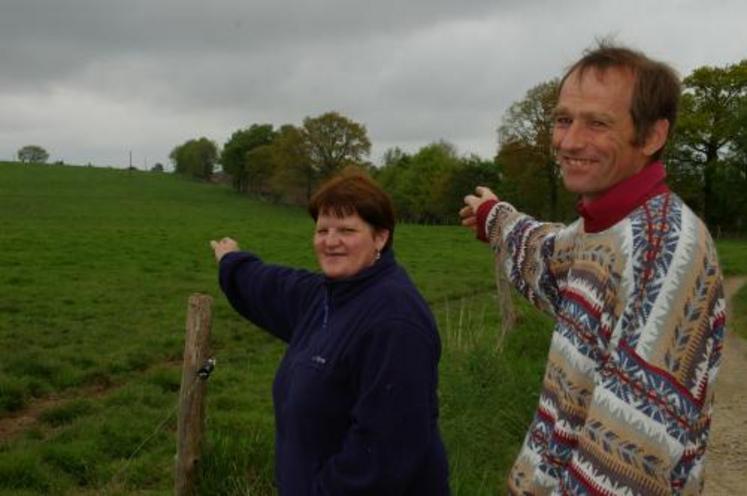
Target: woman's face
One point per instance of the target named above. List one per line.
(346, 245)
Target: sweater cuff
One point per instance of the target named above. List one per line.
(482, 218)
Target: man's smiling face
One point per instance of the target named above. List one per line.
(593, 135)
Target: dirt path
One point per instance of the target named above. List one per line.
(19, 422)
(16, 423)
(726, 461)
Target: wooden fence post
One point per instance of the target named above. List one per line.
(192, 394)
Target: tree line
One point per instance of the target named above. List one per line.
(288, 163)
(706, 158)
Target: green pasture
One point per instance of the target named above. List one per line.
(733, 258)
(96, 266)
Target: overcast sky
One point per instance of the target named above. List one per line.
(92, 80)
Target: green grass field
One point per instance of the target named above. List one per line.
(96, 266)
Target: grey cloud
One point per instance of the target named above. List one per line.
(160, 72)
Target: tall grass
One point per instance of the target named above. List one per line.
(96, 266)
(732, 254)
(95, 269)
(733, 259)
(738, 321)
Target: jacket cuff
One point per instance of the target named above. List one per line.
(227, 264)
(482, 218)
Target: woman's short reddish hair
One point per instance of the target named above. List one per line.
(354, 192)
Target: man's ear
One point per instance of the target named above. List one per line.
(657, 137)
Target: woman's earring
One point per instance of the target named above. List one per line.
(378, 254)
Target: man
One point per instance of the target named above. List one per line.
(634, 287)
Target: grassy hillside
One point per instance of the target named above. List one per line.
(95, 269)
(96, 266)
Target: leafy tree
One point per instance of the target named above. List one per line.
(333, 141)
(157, 167)
(394, 156)
(707, 136)
(739, 166)
(294, 177)
(740, 141)
(474, 171)
(196, 158)
(259, 167)
(439, 163)
(322, 146)
(234, 155)
(429, 186)
(419, 183)
(32, 154)
(525, 138)
(391, 175)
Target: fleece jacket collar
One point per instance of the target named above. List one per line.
(345, 288)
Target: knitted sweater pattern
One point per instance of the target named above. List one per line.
(627, 393)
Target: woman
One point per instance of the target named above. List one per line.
(355, 394)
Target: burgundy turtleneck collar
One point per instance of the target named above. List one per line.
(617, 202)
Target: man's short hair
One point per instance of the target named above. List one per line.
(656, 92)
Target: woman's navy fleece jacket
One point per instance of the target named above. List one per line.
(355, 394)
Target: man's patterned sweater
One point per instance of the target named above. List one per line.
(627, 394)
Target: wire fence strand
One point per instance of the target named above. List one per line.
(145, 441)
